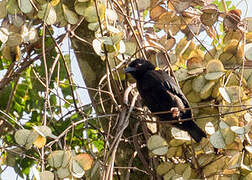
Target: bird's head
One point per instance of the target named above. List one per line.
(138, 67)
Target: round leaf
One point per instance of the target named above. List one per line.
(169, 175)
(4, 33)
(163, 168)
(14, 39)
(228, 135)
(206, 91)
(157, 145)
(160, 150)
(91, 15)
(224, 94)
(248, 176)
(187, 172)
(77, 170)
(25, 6)
(193, 97)
(21, 136)
(249, 149)
(210, 8)
(209, 19)
(63, 172)
(111, 14)
(66, 158)
(40, 142)
(56, 158)
(12, 7)
(143, 4)
(97, 47)
(198, 83)
(3, 9)
(80, 7)
(194, 62)
(93, 26)
(238, 130)
(223, 125)
(70, 16)
(43, 130)
(196, 71)
(217, 140)
(46, 175)
(214, 66)
(54, 2)
(179, 5)
(248, 51)
(231, 46)
(214, 75)
(235, 93)
(181, 74)
(179, 134)
(85, 160)
(25, 137)
(209, 128)
(31, 139)
(48, 14)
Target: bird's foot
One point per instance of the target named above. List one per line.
(175, 112)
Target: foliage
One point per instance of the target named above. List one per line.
(205, 43)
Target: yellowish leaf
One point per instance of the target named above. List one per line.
(85, 160)
(55, 2)
(40, 141)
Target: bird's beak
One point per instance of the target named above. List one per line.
(129, 69)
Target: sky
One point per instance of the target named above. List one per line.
(9, 174)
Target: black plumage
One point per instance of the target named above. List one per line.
(160, 93)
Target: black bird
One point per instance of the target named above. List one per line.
(160, 92)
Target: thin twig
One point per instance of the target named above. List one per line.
(67, 70)
(224, 6)
(46, 74)
(138, 149)
(132, 29)
(13, 91)
(75, 124)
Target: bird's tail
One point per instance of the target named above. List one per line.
(195, 132)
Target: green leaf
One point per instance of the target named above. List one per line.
(157, 145)
(46, 175)
(20, 92)
(80, 7)
(18, 107)
(12, 7)
(4, 96)
(48, 14)
(71, 17)
(217, 140)
(25, 6)
(3, 9)
(63, 172)
(43, 130)
(53, 100)
(90, 13)
(25, 137)
(19, 100)
(99, 145)
(59, 159)
(77, 170)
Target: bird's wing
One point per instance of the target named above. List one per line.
(160, 92)
(170, 85)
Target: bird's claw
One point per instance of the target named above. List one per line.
(175, 112)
